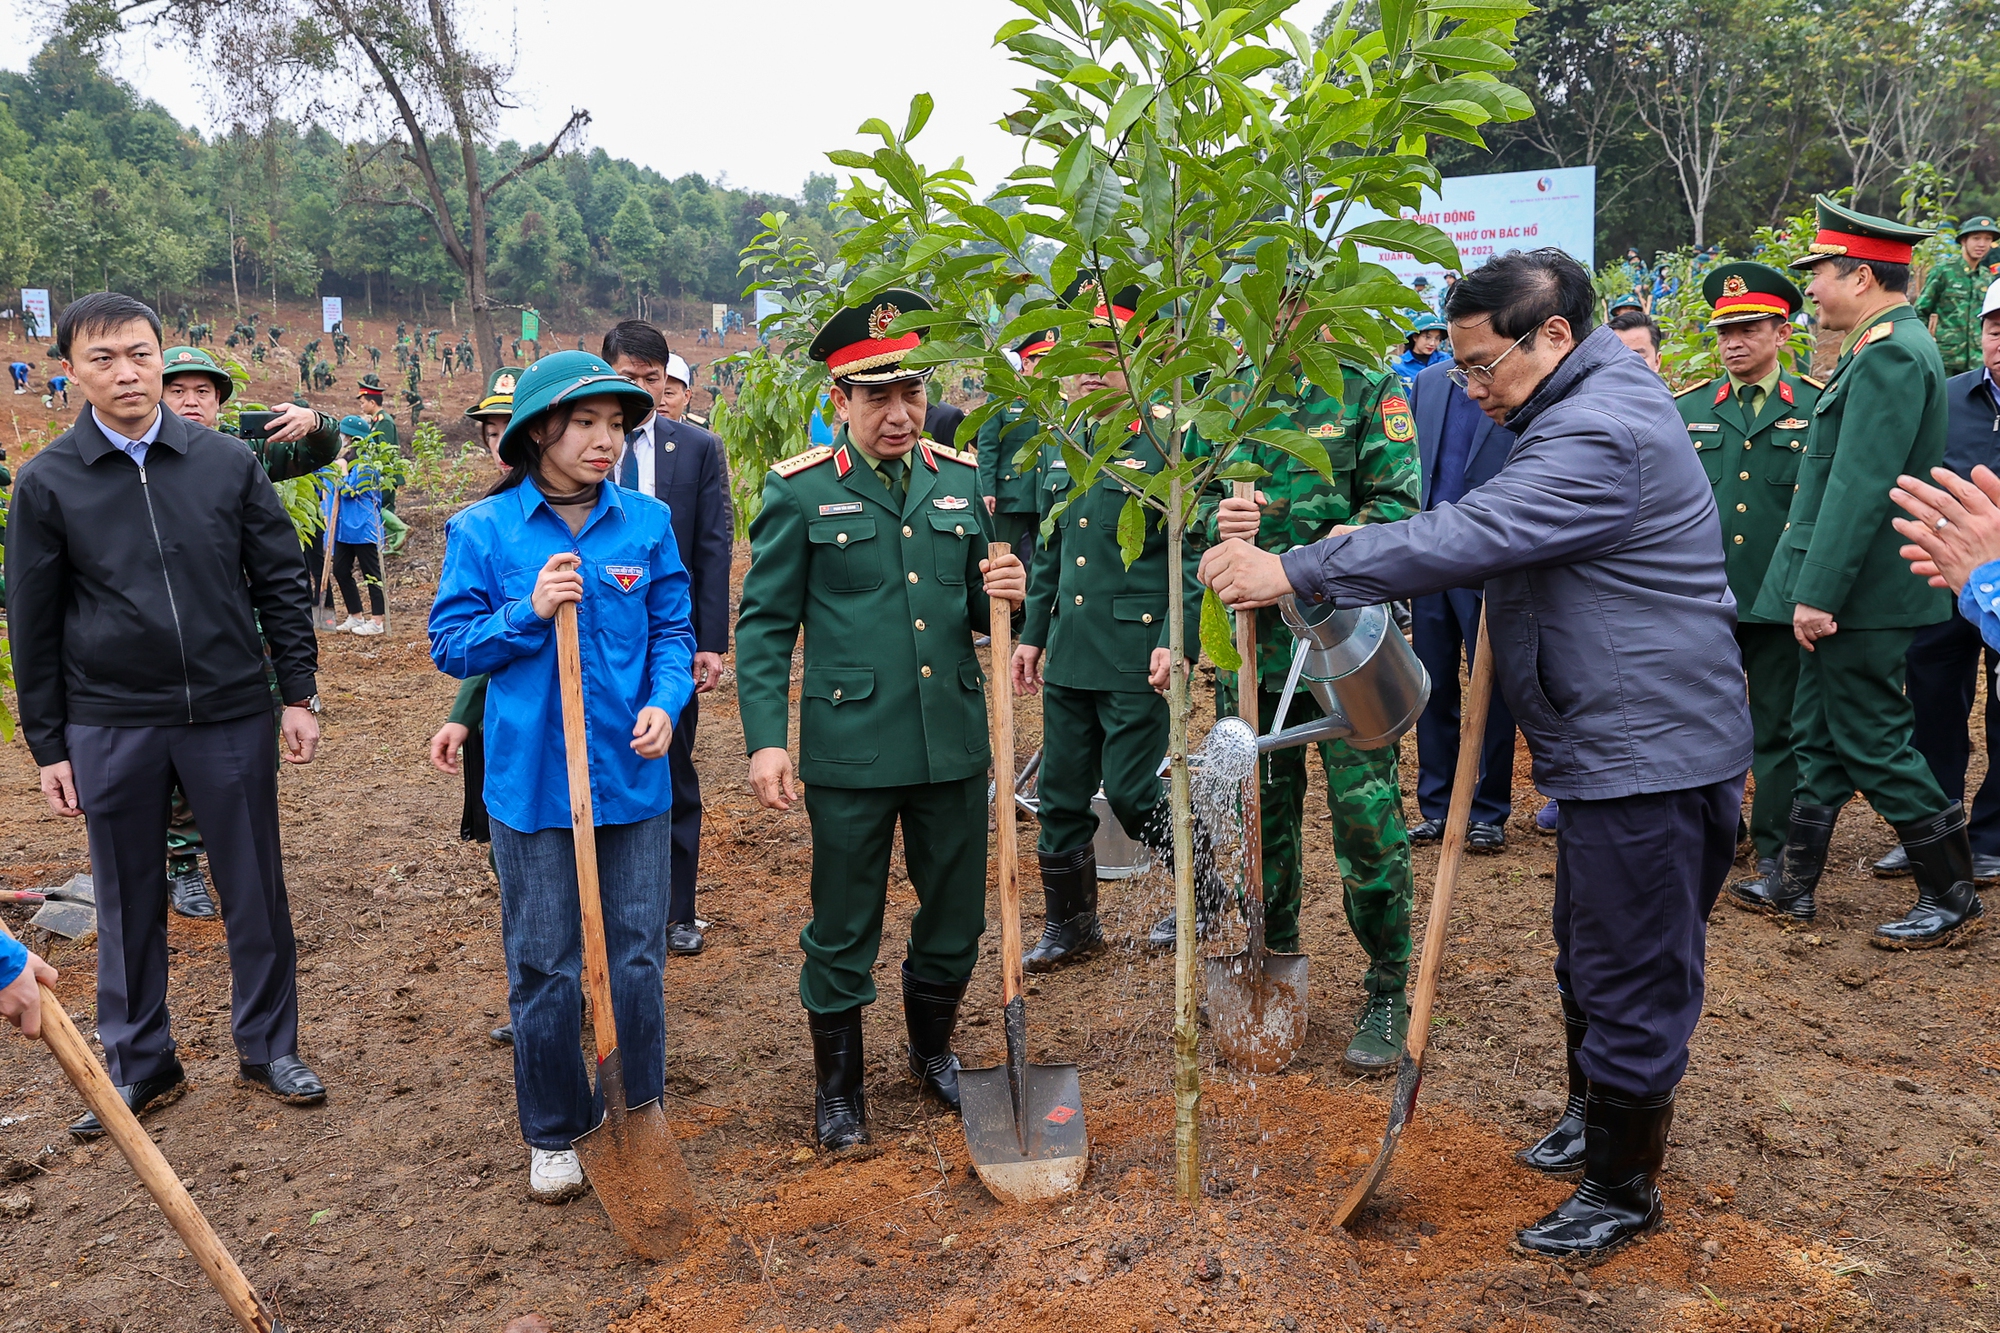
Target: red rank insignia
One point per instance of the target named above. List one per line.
(930, 459)
(1784, 391)
(1721, 392)
(842, 464)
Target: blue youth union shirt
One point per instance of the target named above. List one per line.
(633, 628)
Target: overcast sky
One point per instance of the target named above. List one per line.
(757, 90)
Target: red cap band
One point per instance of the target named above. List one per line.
(869, 349)
(1862, 247)
(1763, 303)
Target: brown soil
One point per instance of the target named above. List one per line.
(1830, 1167)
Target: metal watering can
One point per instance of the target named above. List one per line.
(1362, 671)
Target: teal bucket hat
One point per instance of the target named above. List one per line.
(356, 427)
(564, 377)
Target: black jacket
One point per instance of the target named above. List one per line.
(691, 475)
(1972, 424)
(134, 595)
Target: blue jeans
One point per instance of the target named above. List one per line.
(541, 925)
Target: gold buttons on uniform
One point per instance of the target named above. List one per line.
(960, 529)
(1742, 509)
(1739, 539)
(836, 694)
(907, 531)
(913, 576)
(1788, 527)
(1083, 523)
(1146, 619)
(841, 538)
(1743, 476)
(920, 624)
(1746, 444)
(1079, 560)
(1079, 599)
(927, 671)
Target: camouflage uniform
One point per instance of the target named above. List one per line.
(1369, 439)
(1953, 293)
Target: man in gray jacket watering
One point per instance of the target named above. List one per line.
(1611, 625)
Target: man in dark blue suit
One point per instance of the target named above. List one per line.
(1459, 448)
(683, 465)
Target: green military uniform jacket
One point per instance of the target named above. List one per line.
(381, 422)
(1370, 439)
(1014, 490)
(1954, 292)
(1753, 464)
(1881, 414)
(1097, 621)
(888, 590)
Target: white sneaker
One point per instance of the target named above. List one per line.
(368, 627)
(347, 626)
(554, 1176)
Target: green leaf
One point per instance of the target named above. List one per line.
(1218, 633)
(1300, 446)
(1488, 10)
(1097, 207)
(1464, 53)
(1009, 31)
(1073, 167)
(1132, 530)
(1421, 239)
(920, 112)
(847, 157)
(880, 128)
(1089, 71)
(1131, 104)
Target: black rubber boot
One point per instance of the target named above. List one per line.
(1624, 1146)
(1789, 893)
(840, 1109)
(930, 1011)
(1560, 1151)
(1070, 929)
(1941, 861)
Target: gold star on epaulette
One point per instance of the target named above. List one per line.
(798, 463)
(1696, 385)
(970, 460)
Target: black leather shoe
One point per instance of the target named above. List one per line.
(1165, 932)
(1985, 867)
(1560, 1151)
(147, 1094)
(1625, 1145)
(1484, 837)
(1789, 893)
(1941, 861)
(684, 938)
(1893, 866)
(503, 1034)
(287, 1078)
(1430, 830)
(1070, 929)
(840, 1108)
(187, 892)
(930, 1012)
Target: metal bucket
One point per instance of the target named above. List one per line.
(1362, 672)
(1118, 856)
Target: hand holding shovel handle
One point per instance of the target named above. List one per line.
(160, 1179)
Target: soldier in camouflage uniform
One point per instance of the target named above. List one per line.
(1953, 293)
(1370, 437)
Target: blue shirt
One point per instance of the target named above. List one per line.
(136, 449)
(13, 959)
(1407, 363)
(360, 522)
(638, 648)
(816, 428)
(1979, 602)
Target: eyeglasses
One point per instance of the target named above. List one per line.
(1463, 376)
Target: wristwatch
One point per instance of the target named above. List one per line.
(310, 705)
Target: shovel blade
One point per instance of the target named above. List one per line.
(1402, 1109)
(1057, 1152)
(1258, 1019)
(635, 1167)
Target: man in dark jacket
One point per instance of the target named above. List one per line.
(683, 465)
(1611, 624)
(142, 552)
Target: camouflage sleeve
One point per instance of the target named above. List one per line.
(1932, 301)
(1201, 525)
(1387, 480)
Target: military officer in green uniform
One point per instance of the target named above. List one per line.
(1852, 603)
(1094, 641)
(380, 422)
(1012, 493)
(1750, 430)
(1370, 440)
(876, 547)
(1953, 294)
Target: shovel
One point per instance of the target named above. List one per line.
(1410, 1073)
(160, 1179)
(631, 1157)
(327, 607)
(1023, 1122)
(1256, 998)
(69, 911)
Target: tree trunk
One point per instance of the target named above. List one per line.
(234, 290)
(1187, 1070)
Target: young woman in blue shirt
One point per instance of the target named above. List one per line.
(558, 530)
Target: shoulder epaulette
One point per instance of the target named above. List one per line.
(1883, 330)
(1817, 384)
(798, 463)
(1696, 385)
(698, 419)
(955, 455)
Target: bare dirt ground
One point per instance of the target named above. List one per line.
(1832, 1164)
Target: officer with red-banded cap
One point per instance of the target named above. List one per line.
(876, 547)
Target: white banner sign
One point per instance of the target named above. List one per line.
(35, 312)
(329, 313)
(1490, 215)
(718, 314)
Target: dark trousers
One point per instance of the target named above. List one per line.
(1771, 664)
(1943, 682)
(1115, 738)
(944, 849)
(1851, 725)
(370, 556)
(1635, 879)
(125, 778)
(1018, 530)
(1445, 627)
(685, 859)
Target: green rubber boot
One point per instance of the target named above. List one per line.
(1379, 1031)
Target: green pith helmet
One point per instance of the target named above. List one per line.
(498, 400)
(1746, 291)
(356, 427)
(1975, 225)
(1844, 233)
(1628, 301)
(1425, 323)
(856, 344)
(563, 377)
(195, 361)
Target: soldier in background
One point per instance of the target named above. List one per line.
(1956, 291)
(1011, 493)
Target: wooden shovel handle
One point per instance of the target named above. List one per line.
(1253, 790)
(326, 566)
(1001, 725)
(1471, 730)
(596, 966)
(160, 1180)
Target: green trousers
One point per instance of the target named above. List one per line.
(1365, 802)
(1851, 726)
(1017, 530)
(1771, 662)
(944, 848)
(1089, 737)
